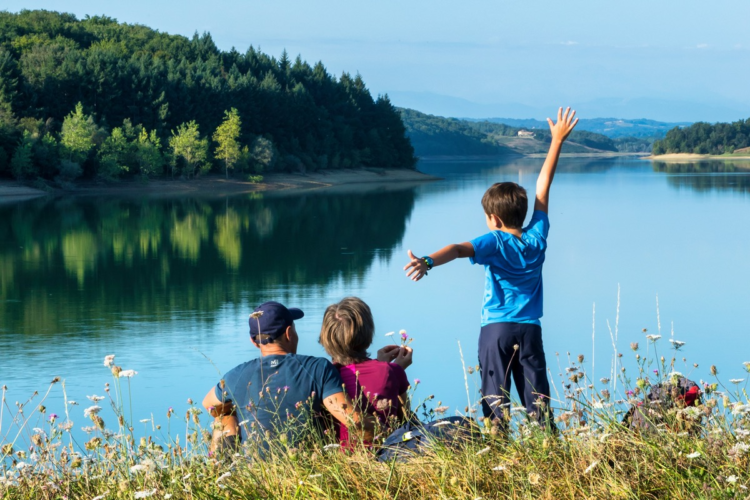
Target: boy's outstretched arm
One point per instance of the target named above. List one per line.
(417, 267)
(560, 132)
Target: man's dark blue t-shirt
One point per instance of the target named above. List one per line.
(270, 390)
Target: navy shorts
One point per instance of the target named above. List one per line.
(499, 360)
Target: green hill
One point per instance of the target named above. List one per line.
(137, 80)
(438, 136)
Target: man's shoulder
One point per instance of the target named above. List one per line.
(312, 361)
(244, 366)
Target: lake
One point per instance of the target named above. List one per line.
(167, 285)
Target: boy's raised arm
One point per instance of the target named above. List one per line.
(560, 132)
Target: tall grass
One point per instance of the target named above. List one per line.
(691, 452)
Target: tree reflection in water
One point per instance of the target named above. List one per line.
(73, 260)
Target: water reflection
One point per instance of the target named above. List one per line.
(72, 260)
(705, 176)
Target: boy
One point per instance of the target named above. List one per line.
(510, 341)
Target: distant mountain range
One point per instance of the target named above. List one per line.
(664, 110)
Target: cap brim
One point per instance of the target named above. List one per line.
(296, 313)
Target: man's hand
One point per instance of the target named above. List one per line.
(417, 268)
(564, 126)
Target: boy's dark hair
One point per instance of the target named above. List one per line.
(508, 201)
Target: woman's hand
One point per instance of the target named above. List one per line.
(388, 353)
(403, 357)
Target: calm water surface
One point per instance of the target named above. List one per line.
(167, 285)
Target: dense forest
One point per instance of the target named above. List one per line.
(102, 99)
(436, 136)
(704, 138)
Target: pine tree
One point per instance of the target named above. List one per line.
(226, 136)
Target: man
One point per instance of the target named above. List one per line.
(280, 393)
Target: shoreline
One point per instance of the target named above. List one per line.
(217, 185)
(677, 157)
(603, 154)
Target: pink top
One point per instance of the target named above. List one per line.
(378, 384)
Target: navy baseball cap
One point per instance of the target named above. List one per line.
(271, 320)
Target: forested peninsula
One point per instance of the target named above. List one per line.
(706, 139)
(96, 99)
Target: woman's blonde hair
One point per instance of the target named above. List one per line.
(347, 331)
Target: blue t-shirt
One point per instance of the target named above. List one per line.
(513, 272)
(270, 390)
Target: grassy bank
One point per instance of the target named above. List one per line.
(691, 452)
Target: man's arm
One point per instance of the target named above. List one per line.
(343, 410)
(560, 132)
(442, 256)
(223, 413)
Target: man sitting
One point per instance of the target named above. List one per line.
(280, 393)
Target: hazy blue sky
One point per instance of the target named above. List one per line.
(669, 60)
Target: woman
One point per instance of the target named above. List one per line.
(377, 386)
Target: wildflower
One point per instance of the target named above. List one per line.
(739, 449)
(483, 451)
(694, 454)
(736, 380)
(732, 479)
(407, 436)
(390, 334)
(656, 372)
(499, 468)
(95, 398)
(515, 347)
(580, 358)
(138, 468)
(145, 420)
(72, 403)
(286, 388)
(52, 417)
(109, 360)
(145, 493)
(22, 465)
(256, 314)
(634, 346)
(604, 380)
(441, 409)
(416, 381)
(676, 343)
(470, 370)
(746, 364)
(332, 446)
(128, 374)
(404, 336)
(534, 478)
(674, 375)
(91, 410)
(186, 476)
(713, 370)
(223, 476)
(653, 338)
(313, 476)
(591, 467)
(102, 496)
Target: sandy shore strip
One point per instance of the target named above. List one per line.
(690, 157)
(216, 185)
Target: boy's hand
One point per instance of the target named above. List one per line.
(564, 125)
(418, 268)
